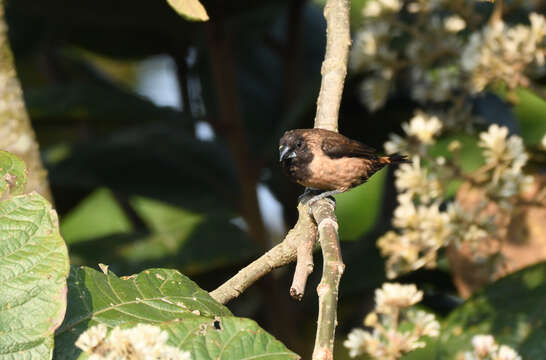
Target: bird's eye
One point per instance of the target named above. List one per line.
(299, 144)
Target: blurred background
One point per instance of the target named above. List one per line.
(160, 137)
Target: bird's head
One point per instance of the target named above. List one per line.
(291, 145)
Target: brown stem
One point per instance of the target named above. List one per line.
(334, 70)
(334, 66)
(305, 231)
(496, 16)
(328, 287)
(16, 133)
(230, 125)
(292, 53)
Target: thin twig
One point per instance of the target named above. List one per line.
(305, 231)
(304, 267)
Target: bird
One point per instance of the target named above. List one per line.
(328, 162)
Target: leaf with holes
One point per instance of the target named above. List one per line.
(152, 296)
(226, 337)
(166, 298)
(33, 271)
(190, 9)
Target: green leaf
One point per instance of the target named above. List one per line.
(358, 209)
(195, 322)
(33, 271)
(13, 176)
(98, 215)
(183, 238)
(201, 175)
(512, 309)
(190, 9)
(152, 296)
(225, 338)
(531, 113)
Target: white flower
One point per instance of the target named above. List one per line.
(454, 23)
(372, 9)
(484, 345)
(392, 297)
(356, 342)
(425, 323)
(424, 127)
(503, 53)
(374, 92)
(502, 151)
(543, 142)
(416, 180)
(507, 353)
(141, 342)
(494, 141)
(92, 337)
(375, 8)
(370, 50)
(396, 144)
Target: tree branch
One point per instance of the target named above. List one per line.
(334, 66)
(334, 70)
(300, 240)
(331, 274)
(16, 133)
(305, 231)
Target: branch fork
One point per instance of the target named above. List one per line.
(300, 241)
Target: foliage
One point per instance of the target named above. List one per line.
(142, 183)
(33, 267)
(194, 321)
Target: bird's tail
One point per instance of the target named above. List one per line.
(395, 158)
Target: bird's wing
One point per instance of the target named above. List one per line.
(341, 146)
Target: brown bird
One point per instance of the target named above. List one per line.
(326, 160)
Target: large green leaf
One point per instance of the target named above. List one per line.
(185, 239)
(513, 309)
(152, 296)
(174, 237)
(98, 215)
(159, 160)
(168, 299)
(33, 271)
(12, 174)
(226, 337)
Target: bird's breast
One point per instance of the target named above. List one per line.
(337, 174)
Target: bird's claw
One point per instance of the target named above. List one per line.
(314, 199)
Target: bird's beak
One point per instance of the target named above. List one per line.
(286, 153)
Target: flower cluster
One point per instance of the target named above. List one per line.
(387, 340)
(500, 53)
(505, 157)
(486, 348)
(421, 227)
(429, 41)
(421, 131)
(141, 342)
